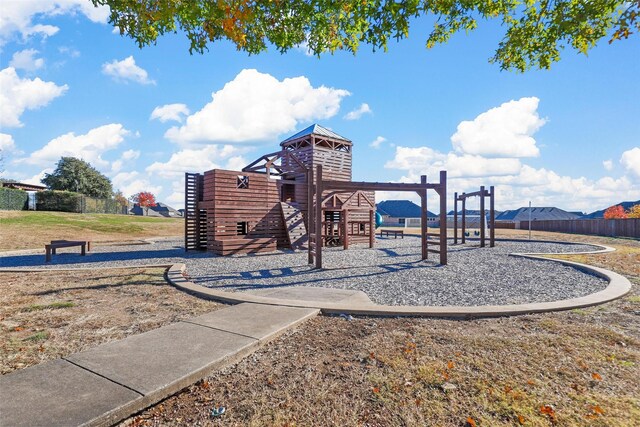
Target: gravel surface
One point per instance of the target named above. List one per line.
(392, 273)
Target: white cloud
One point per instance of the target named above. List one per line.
(426, 161)
(258, 107)
(26, 60)
(126, 70)
(473, 164)
(7, 144)
(89, 147)
(515, 183)
(37, 178)
(504, 131)
(377, 142)
(70, 51)
(170, 112)
(358, 112)
(18, 95)
(126, 156)
(133, 182)
(18, 16)
(130, 155)
(607, 164)
(630, 160)
(193, 160)
(236, 163)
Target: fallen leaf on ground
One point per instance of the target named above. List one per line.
(548, 410)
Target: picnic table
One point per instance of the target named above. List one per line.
(395, 233)
(50, 249)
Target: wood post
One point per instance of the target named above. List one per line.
(318, 212)
(372, 228)
(310, 213)
(423, 218)
(482, 217)
(492, 217)
(443, 217)
(455, 218)
(345, 228)
(464, 219)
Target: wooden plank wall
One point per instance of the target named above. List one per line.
(596, 227)
(336, 165)
(195, 235)
(227, 205)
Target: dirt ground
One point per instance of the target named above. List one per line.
(574, 368)
(45, 316)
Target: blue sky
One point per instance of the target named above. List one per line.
(566, 137)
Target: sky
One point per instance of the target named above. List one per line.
(72, 86)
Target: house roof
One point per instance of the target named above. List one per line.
(600, 213)
(316, 129)
(537, 213)
(473, 212)
(23, 186)
(401, 209)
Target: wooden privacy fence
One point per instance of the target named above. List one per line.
(598, 227)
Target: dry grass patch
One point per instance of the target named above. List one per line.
(49, 315)
(33, 229)
(574, 368)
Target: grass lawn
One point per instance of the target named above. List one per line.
(45, 316)
(32, 229)
(574, 368)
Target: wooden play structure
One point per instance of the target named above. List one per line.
(492, 215)
(299, 197)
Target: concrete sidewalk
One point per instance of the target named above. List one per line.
(106, 384)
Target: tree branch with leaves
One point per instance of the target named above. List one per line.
(536, 31)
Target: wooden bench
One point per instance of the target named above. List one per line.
(50, 249)
(395, 233)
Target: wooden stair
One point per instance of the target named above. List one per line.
(294, 223)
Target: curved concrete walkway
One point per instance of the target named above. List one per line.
(356, 302)
(108, 383)
(335, 301)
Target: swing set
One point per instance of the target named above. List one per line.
(492, 215)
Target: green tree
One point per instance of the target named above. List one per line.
(535, 30)
(73, 174)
